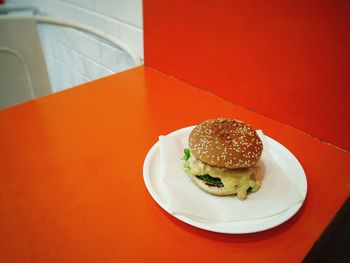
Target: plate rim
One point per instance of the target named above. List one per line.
(229, 227)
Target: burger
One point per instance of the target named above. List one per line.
(222, 158)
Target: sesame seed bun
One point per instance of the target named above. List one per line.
(225, 143)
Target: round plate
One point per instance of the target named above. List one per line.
(152, 170)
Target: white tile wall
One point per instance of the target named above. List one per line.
(95, 70)
(133, 37)
(64, 71)
(89, 4)
(74, 57)
(48, 46)
(50, 65)
(128, 11)
(78, 78)
(115, 59)
(59, 10)
(71, 58)
(56, 83)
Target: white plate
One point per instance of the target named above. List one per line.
(152, 170)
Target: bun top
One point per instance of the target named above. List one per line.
(226, 143)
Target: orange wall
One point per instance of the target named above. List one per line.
(288, 60)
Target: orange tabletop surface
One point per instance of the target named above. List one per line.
(71, 182)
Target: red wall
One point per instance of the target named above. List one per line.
(288, 60)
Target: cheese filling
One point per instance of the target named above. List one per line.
(235, 181)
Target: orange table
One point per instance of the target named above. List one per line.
(71, 183)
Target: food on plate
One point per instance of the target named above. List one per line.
(223, 156)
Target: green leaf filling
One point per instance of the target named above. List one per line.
(211, 180)
(187, 154)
